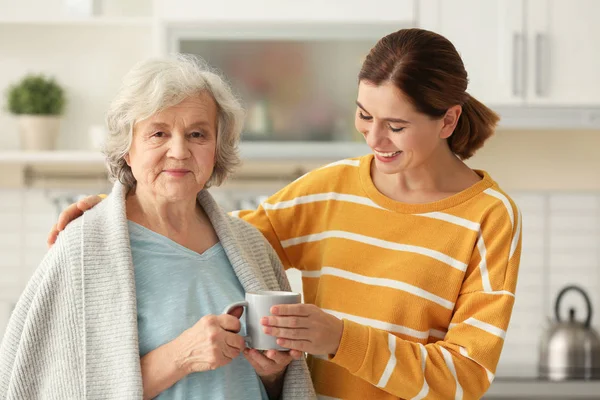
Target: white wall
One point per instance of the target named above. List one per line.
(88, 61)
(42, 9)
(542, 160)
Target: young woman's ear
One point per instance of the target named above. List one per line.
(450, 121)
(127, 159)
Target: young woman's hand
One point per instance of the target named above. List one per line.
(304, 327)
(70, 213)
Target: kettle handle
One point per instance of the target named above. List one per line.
(585, 297)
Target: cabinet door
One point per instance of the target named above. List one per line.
(490, 38)
(564, 54)
(297, 11)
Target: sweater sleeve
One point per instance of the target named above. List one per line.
(462, 365)
(261, 219)
(39, 354)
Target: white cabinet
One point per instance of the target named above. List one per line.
(489, 36)
(564, 56)
(517, 52)
(277, 10)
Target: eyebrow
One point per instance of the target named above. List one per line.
(397, 120)
(201, 124)
(198, 124)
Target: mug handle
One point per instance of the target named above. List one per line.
(235, 305)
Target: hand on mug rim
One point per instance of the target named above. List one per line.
(304, 327)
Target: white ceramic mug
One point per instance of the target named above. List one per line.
(257, 306)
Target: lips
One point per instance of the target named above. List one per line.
(177, 172)
(387, 157)
(387, 154)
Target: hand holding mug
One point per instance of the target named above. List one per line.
(209, 344)
(271, 364)
(304, 327)
(257, 306)
(268, 359)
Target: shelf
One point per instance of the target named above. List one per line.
(51, 157)
(326, 151)
(268, 151)
(273, 162)
(81, 21)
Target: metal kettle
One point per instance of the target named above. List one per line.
(570, 349)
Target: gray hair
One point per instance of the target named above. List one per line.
(156, 84)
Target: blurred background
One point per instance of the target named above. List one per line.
(295, 64)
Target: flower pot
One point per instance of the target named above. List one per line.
(38, 132)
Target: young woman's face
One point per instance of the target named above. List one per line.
(401, 138)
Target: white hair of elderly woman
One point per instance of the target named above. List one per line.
(156, 84)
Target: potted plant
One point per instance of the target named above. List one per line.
(38, 102)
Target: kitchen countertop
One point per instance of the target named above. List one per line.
(512, 388)
(522, 382)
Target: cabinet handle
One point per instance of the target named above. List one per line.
(540, 43)
(517, 78)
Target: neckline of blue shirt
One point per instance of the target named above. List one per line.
(212, 251)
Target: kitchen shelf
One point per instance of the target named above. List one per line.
(273, 151)
(326, 151)
(51, 157)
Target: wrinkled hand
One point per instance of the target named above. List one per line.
(209, 344)
(272, 363)
(304, 327)
(70, 213)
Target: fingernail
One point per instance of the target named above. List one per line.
(274, 310)
(264, 321)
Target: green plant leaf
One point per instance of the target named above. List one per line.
(36, 95)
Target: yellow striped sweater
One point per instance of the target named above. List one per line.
(425, 291)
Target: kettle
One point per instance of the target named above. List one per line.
(570, 349)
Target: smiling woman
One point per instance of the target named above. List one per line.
(409, 258)
(137, 286)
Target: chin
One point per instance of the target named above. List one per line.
(388, 168)
(180, 193)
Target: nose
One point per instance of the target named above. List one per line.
(375, 135)
(179, 147)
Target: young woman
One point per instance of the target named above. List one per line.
(409, 258)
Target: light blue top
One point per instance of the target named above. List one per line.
(175, 287)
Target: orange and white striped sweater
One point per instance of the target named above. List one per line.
(425, 291)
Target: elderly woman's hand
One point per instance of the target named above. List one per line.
(270, 367)
(209, 344)
(271, 363)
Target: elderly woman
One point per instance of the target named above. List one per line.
(126, 304)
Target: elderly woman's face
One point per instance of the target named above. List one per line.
(173, 152)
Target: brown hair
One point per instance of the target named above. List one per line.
(427, 69)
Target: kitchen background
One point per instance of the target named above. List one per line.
(295, 64)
